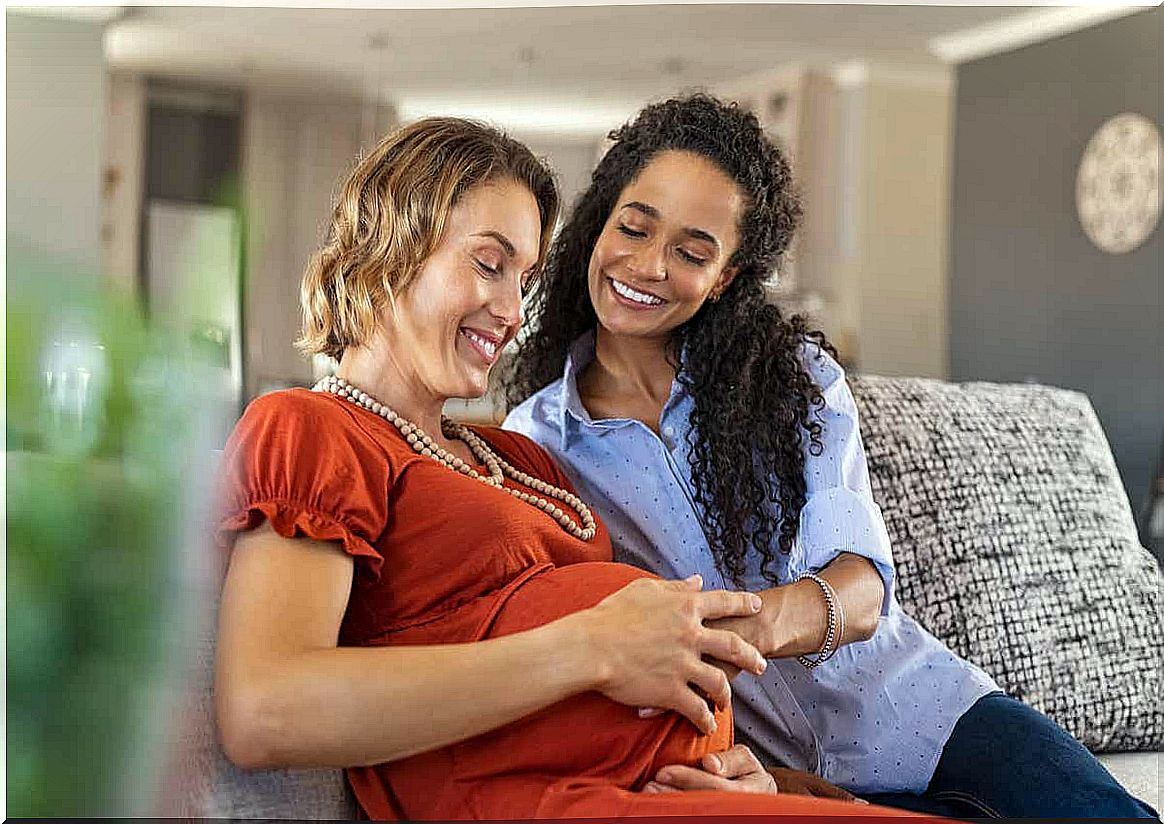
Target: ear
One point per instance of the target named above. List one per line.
(725, 280)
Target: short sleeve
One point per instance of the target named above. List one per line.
(300, 463)
(839, 514)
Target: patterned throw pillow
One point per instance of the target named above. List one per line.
(1015, 545)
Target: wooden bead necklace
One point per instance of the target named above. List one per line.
(498, 467)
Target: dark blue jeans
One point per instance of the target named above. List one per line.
(1007, 760)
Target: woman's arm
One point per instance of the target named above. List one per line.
(288, 696)
(839, 514)
(795, 616)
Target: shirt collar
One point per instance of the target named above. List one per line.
(570, 401)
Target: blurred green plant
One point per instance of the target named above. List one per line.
(106, 421)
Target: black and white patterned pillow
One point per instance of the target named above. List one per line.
(1015, 544)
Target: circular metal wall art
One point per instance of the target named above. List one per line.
(1117, 188)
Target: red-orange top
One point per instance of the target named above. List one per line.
(443, 558)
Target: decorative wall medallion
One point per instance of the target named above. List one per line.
(1117, 188)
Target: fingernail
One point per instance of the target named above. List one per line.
(711, 727)
(860, 801)
(763, 665)
(663, 776)
(698, 580)
(716, 764)
(651, 787)
(649, 712)
(757, 604)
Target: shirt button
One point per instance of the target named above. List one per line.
(669, 431)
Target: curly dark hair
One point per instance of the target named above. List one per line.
(740, 357)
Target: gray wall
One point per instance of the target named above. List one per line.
(1030, 297)
(56, 116)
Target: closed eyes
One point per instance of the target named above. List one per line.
(694, 260)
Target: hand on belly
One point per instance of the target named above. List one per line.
(587, 734)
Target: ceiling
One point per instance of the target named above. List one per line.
(578, 63)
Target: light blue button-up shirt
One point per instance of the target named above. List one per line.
(872, 719)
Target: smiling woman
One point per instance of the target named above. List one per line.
(464, 304)
(429, 605)
(461, 212)
(659, 269)
(661, 365)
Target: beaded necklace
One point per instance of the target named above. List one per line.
(498, 467)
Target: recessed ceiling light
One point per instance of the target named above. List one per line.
(553, 116)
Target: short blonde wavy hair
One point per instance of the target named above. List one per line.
(391, 215)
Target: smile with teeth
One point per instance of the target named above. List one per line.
(487, 347)
(635, 295)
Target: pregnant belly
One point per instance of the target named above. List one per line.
(587, 735)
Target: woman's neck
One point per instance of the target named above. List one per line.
(630, 367)
(373, 369)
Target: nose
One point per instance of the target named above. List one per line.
(648, 261)
(505, 303)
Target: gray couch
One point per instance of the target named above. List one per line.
(1004, 505)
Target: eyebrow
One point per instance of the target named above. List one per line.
(651, 211)
(505, 242)
(510, 249)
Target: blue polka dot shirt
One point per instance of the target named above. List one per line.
(875, 717)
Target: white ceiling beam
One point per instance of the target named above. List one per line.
(76, 14)
(1024, 30)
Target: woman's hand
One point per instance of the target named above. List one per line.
(649, 641)
(798, 782)
(795, 616)
(738, 770)
(734, 770)
(757, 630)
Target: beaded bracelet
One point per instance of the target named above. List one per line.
(836, 623)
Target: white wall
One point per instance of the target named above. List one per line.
(870, 151)
(803, 109)
(56, 116)
(904, 226)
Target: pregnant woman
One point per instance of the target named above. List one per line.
(429, 605)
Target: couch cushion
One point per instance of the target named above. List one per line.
(203, 783)
(1137, 772)
(1015, 544)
